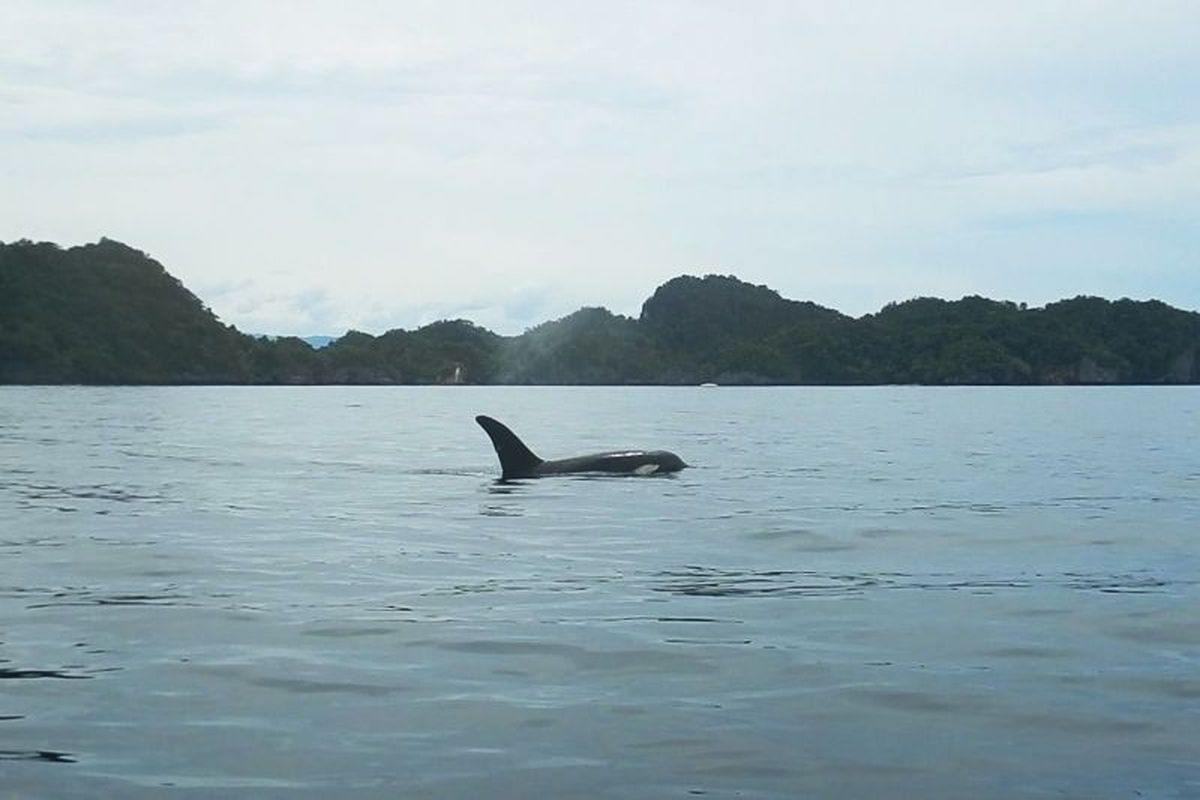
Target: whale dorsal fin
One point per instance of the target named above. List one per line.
(516, 460)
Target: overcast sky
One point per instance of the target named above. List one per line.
(308, 167)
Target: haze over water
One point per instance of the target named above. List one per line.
(323, 592)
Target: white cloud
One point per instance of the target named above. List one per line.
(400, 160)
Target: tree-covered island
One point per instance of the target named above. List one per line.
(106, 313)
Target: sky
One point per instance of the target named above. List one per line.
(313, 167)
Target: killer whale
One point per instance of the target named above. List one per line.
(518, 461)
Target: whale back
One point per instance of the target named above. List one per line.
(516, 460)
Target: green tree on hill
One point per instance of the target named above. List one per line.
(107, 313)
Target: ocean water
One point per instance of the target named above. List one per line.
(323, 592)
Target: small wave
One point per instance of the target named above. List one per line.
(36, 493)
(168, 596)
(36, 541)
(199, 458)
(52, 756)
(456, 472)
(349, 631)
(580, 584)
(36, 674)
(710, 582)
(1117, 584)
(579, 657)
(304, 686)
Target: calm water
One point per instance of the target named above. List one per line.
(889, 592)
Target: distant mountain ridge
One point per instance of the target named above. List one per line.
(106, 313)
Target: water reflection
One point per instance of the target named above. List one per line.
(508, 485)
(501, 488)
(512, 485)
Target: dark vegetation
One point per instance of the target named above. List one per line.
(105, 313)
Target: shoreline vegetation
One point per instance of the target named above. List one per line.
(107, 314)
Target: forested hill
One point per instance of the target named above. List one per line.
(106, 313)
